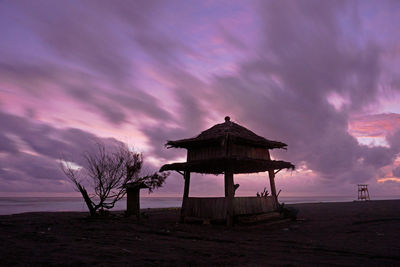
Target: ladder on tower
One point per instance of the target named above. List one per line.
(363, 193)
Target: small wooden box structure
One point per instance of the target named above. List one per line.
(227, 148)
(133, 198)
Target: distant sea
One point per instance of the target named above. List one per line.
(13, 205)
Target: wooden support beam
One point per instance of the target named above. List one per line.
(277, 171)
(272, 182)
(187, 183)
(273, 187)
(186, 176)
(229, 195)
(181, 173)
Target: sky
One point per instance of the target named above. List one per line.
(320, 76)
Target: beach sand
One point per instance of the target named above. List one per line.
(351, 233)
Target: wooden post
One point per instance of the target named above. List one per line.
(186, 176)
(273, 188)
(133, 198)
(133, 202)
(229, 195)
(272, 182)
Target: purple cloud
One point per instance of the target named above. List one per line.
(33, 151)
(157, 71)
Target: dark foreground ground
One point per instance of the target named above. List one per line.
(328, 234)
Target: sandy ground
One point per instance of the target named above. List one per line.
(328, 234)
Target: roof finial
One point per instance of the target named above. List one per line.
(227, 118)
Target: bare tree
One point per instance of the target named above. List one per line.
(108, 172)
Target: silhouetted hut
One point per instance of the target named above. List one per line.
(227, 148)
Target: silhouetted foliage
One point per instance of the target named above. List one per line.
(264, 193)
(108, 172)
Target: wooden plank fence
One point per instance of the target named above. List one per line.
(216, 207)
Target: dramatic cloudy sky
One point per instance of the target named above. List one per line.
(321, 76)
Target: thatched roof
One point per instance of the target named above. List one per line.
(219, 165)
(236, 133)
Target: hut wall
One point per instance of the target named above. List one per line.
(207, 152)
(248, 151)
(215, 207)
(206, 207)
(237, 150)
(253, 205)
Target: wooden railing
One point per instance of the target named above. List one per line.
(216, 207)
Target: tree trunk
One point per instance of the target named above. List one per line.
(87, 199)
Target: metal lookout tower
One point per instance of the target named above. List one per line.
(363, 193)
